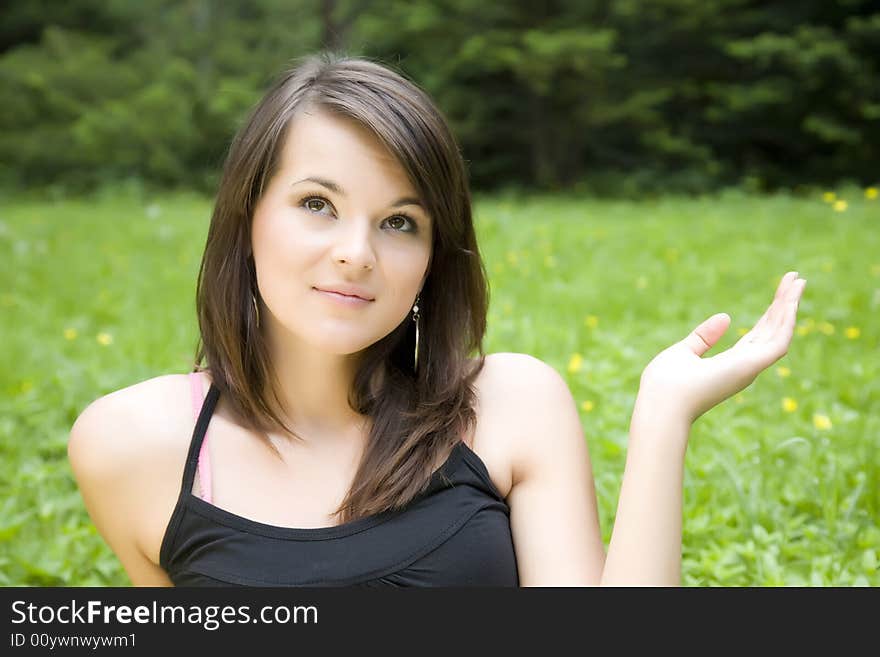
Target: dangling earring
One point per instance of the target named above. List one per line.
(256, 310)
(416, 320)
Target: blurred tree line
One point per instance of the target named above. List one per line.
(627, 95)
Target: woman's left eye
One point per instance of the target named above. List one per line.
(308, 201)
(404, 218)
(399, 220)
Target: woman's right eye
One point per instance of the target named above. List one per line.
(314, 203)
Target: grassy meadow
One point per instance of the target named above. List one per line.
(781, 481)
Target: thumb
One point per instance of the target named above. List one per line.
(704, 337)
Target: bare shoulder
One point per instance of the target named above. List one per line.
(126, 450)
(520, 370)
(554, 516)
(131, 423)
(519, 398)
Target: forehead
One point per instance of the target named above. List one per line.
(341, 149)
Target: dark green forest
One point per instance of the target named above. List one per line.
(610, 97)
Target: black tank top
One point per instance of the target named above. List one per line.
(456, 533)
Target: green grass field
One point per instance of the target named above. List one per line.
(781, 482)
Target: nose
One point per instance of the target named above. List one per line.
(352, 245)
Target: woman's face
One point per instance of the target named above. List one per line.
(360, 227)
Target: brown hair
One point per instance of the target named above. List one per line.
(415, 416)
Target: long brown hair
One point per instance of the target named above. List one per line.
(415, 415)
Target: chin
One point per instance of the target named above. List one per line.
(340, 351)
(342, 346)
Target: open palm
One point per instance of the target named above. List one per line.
(680, 377)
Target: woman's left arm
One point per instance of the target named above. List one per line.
(554, 517)
(553, 510)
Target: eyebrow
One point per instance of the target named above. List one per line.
(336, 189)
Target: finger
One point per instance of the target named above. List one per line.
(791, 295)
(776, 311)
(763, 329)
(707, 333)
(785, 284)
(792, 302)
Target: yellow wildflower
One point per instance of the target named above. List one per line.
(105, 338)
(821, 422)
(806, 327)
(840, 206)
(789, 405)
(587, 406)
(591, 321)
(574, 363)
(70, 333)
(826, 328)
(852, 332)
(829, 197)
(783, 371)
(871, 193)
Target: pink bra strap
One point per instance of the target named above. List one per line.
(204, 466)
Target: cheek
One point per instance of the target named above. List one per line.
(403, 275)
(275, 260)
(279, 246)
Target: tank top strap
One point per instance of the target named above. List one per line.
(197, 457)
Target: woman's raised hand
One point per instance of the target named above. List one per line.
(679, 379)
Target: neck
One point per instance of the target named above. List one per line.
(313, 389)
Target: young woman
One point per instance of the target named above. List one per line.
(335, 430)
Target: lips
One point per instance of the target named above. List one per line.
(346, 292)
